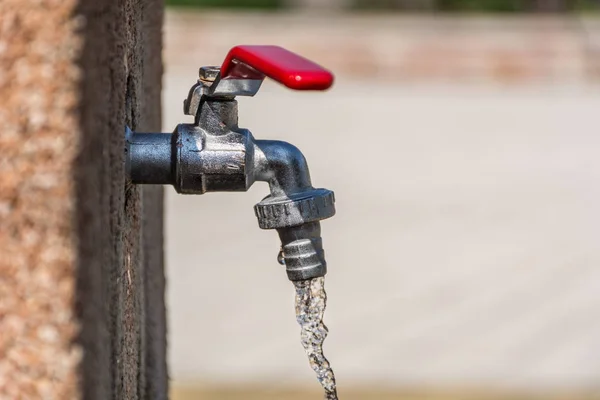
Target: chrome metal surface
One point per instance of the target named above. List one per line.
(191, 105)
(214, 155)
(209, 73)
(149, 158)
(234, 87)
(295, 209)
(303, 253)
(211, 87)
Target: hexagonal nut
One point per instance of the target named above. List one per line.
(297, 209)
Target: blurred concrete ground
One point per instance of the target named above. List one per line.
(464, 253)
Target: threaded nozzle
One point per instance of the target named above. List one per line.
(302, 250)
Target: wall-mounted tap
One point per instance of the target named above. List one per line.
(214, 154)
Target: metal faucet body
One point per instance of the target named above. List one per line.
(214, 155)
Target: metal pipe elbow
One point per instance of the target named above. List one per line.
(294, 208)
(282, 165)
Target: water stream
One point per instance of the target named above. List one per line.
(311, 301)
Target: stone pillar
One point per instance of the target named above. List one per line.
(81, 276)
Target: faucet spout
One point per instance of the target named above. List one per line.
(302, 251)
(214, 154)
(282, 165)
(294, 207)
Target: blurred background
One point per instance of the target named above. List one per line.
(461, 139)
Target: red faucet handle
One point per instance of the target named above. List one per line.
(279, 64)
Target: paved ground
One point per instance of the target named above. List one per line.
(464, 252)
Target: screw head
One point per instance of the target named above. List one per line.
(209, 73)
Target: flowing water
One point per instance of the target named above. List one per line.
(311, 301)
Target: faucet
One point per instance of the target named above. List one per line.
(215, 155)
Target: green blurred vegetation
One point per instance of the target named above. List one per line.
(482, 5)
(243, 4)
(516, 5)
(408, 5)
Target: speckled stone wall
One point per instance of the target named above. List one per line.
(81, 279)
